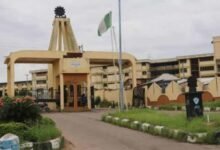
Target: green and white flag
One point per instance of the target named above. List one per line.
(105, 24)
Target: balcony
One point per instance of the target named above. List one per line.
(41, 78)
(164, 68)
(206, 63)
(207, 73)
(97, 71)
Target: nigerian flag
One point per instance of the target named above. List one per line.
(105, 24)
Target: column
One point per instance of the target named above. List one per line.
(88, 91)
(61, 92)
(134, 78)
(11, 87)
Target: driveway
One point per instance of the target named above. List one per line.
(87, 132)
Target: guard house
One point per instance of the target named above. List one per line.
(68, 67)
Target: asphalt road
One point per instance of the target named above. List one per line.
(87, 132)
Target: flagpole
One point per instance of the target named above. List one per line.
(121, 94)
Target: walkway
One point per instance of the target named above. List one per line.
(87, 132)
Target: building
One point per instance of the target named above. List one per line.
(21, 88)
(72, 73)
(69, 74)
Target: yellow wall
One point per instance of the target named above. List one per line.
(154, 92)
(214, 87)
(173, 90)
(113, 95)
(77, 65)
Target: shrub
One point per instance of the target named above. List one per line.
(171, 107)
(97, 100)
(47, 121)
(14, 128)
(19, 109)
(41, 133)
(212, 104)
(105, 103)
(211, 138)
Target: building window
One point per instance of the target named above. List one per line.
(207, 68)
(183, 61)
(218, 67)
(183, 70)
(144, 73)
(105, 84)
(41, 74)
(41, 82)
(207, 58)
(126, 74)
(104, 76)
(104, 67)
(143, 64)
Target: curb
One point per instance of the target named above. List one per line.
(54, 144)
(183, 108)
(157, 130)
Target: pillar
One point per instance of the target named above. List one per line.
(10, 71)
(61, 92)
(134, 77)
(88, 91)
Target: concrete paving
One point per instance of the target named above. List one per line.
(87, 132)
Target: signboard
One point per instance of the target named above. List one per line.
(75, 64)
(194, 106)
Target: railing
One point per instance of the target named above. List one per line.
(40, 94)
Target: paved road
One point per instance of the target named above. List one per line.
(87, 132)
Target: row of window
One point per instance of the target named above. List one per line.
(210, 58)
(207, 68)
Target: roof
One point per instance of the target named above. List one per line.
(205, 80)
(165, 77)
(195, 56)
(176, 58)
(202, 80)
(39, 71)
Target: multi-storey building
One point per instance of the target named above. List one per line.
(20, 86)
(201, 66)
(106, 77)
(39, 79)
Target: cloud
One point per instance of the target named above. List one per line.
(156, 29)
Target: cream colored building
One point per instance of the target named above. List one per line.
(71, 72)
(19, 86)
(69, 77)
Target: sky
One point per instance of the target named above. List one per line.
(151, 29)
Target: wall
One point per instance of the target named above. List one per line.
(113, 95)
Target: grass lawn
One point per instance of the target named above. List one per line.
(174, 120)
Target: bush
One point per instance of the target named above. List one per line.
(47, 121)
(14, 128)
(213, 104)
(105, 104)
(171, 107)
(97, 100)
(19, 110)
(40, 133)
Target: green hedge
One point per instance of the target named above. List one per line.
(42, 133)
(43, 130)
(14, 128)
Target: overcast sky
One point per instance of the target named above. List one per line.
(151, 28)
